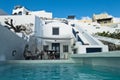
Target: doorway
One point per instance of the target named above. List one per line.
(56, 48)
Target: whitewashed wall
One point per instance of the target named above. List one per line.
(19, 19)
(38, 32)
(9, 42)
(64, 30)
(27, 19)
(41, 14)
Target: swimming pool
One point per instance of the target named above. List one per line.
(36, 71)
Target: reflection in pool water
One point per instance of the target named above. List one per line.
(38, 71)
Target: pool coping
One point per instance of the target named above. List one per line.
(114, 54)
(40, 61)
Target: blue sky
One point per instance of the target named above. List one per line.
(63, 8)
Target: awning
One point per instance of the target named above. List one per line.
(54, 38)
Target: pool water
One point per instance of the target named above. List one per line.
(38, 71)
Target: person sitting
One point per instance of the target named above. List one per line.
(41, 54)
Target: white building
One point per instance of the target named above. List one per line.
(20, 10)
(67, 39)
(32, 26)
(63, 36)
(57, 36)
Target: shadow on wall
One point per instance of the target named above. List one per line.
(11, 45)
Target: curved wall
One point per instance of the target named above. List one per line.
(11, 45)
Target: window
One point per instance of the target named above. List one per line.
(105, 22)
(91, 50)
(74, 51)
(20, 13)
(55, 31)
(27, 13)
(73, 25)
(97, 27)
(65, 48)
(15, 14)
